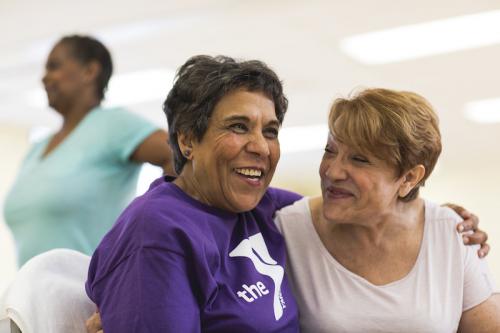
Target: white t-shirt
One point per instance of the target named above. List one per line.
(447, 279)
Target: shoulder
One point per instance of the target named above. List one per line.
(299, 208)
(118, 130)
(443, 216)
(294, 215)
(164, 218)
(159, 221)
(117, 117)
(441, 233)
(279, 198)
(105, 113)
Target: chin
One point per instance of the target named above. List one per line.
(246, 203)
(333, 215)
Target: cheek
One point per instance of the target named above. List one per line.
(275, 153)
(226, 148)
(322, 169)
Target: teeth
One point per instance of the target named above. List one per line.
(249, 172)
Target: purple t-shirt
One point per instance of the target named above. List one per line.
(173, 264)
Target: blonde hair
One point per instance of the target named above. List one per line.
(399, 127)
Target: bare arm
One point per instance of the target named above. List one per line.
(483, 318)
(155, 150)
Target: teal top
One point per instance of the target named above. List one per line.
(71, 197)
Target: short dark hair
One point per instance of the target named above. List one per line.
(86, 49)
(202, 82)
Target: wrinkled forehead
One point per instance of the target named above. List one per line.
(242, 103)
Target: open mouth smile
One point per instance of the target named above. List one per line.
(252, 176)
(250, 172)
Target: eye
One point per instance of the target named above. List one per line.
(271, 133)
(329, 150)
(238, 128)
(52, 65)
(360, 159)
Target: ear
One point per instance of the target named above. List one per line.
(92, 70)
(410, 179)
(185, 142)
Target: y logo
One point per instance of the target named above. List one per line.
(255, 249)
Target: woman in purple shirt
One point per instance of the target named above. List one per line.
(200, 253)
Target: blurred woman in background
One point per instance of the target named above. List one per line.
(72, 185)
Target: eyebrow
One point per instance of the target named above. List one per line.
(273, 122)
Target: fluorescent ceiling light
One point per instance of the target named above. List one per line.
(124, 89)
(303, 138)
(424, 39)
(115, 35)
(143, 29)
(483, 111)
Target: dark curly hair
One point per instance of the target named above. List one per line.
(86, 49)
(202, 82)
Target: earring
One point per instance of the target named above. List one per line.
(187, 153)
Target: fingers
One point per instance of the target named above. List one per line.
(484, 250)
(478, 237)
(468, 224)
(464, 213)
(93, 324)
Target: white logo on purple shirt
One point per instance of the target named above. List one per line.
(255, 249)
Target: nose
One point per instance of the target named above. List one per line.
(258, 145)
(45, 77)
(335, 169)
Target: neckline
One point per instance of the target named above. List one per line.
(198, 204)
(63, 143)
(321, 248)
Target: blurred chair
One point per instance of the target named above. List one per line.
(48, 295)
(8, 326)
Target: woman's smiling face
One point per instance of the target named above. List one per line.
(356, 188)
(235, 160)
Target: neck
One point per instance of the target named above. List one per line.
(188, 183)
(73, 113)
(383, 228)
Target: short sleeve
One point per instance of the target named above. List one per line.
(478, 281)
(149, 291)
(125, 131)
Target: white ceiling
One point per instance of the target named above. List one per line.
(298, 39)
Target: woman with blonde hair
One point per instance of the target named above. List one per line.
(373, 256)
